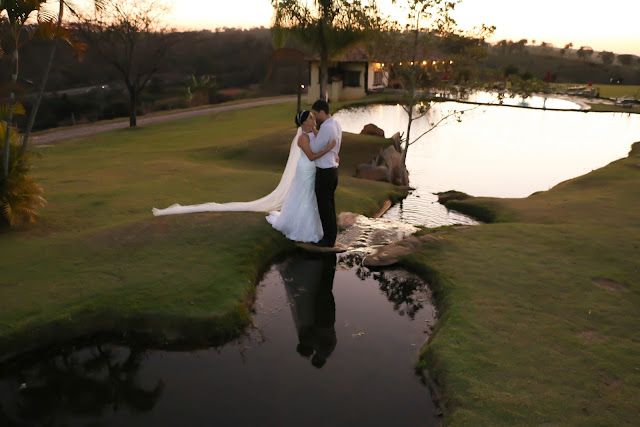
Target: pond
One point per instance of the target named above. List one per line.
(496, 151)
(332, 343)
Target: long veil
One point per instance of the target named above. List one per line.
(271, 202)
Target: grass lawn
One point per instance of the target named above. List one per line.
(97, 260)
(540, 311)
(607, 91)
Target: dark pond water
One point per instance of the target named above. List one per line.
(332, 344)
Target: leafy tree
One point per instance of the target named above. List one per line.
(566, 48)
(79, 47)
(525, 85)
(199, 88)
(585, 52)
(19, 194)
(521, 44)
(431, 54)
(607, 57)
(326, 26)
(129, 35)
(18, 13)
(503, 45)
(625, 59)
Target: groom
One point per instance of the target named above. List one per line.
(326, 170)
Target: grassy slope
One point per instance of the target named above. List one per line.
(98, 259)
(529, 334)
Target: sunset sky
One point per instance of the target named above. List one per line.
(559, 22)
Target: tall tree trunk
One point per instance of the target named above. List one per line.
(43, 83)
(132, 107)
(9, 121)
(324, 66)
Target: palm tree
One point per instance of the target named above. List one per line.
(327, 27)
(19, 13)
(59, 29)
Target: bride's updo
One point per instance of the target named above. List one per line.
(301, 117)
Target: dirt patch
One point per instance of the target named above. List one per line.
(608, 284)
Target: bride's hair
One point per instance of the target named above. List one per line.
(301, 117)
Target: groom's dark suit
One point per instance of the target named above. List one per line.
(327, 178)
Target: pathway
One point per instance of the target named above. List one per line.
(81, 131)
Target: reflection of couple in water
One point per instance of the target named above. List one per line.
(308, 281)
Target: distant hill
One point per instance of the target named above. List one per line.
(565, 65)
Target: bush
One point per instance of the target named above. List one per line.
(20, 195)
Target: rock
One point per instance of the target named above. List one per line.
(410, 242)
(347, 219)
(372, 129)
(429, 238)
(391, 254)
(397, 143)
(374, 173)
(446, 196)
(392, 159)
(386, 255)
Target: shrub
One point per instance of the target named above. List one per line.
(20, 195)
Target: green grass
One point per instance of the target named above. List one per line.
(540, 310)
(607, 91)
(619, 91)
(97, 260)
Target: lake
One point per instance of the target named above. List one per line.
(496, 151)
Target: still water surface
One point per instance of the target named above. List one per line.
(332, 344)
(496, 151)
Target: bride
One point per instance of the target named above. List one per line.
(298, 218)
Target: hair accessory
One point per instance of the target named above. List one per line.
(301, 117)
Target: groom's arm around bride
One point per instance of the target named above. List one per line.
(326, 170)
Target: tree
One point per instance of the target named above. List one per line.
(24, 28)
(20, 195)
(625, 59)
(129, 35)
(17, 12)
(431, 54)
(199, 90)
(78, 47)
(325, 26)
(585, 52)
(566, 48)
(607, 57)
(503, 45)
(545, 46)
(521, 44)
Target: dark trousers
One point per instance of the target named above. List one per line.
(326, 183)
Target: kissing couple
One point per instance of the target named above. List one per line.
(302, 206)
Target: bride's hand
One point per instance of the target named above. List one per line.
(337, 159)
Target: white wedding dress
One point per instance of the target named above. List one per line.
(299, 219)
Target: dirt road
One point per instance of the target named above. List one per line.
(49, 137)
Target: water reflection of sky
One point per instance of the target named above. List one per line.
(499, 151)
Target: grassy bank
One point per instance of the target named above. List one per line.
(98, 260)
(540, 310)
